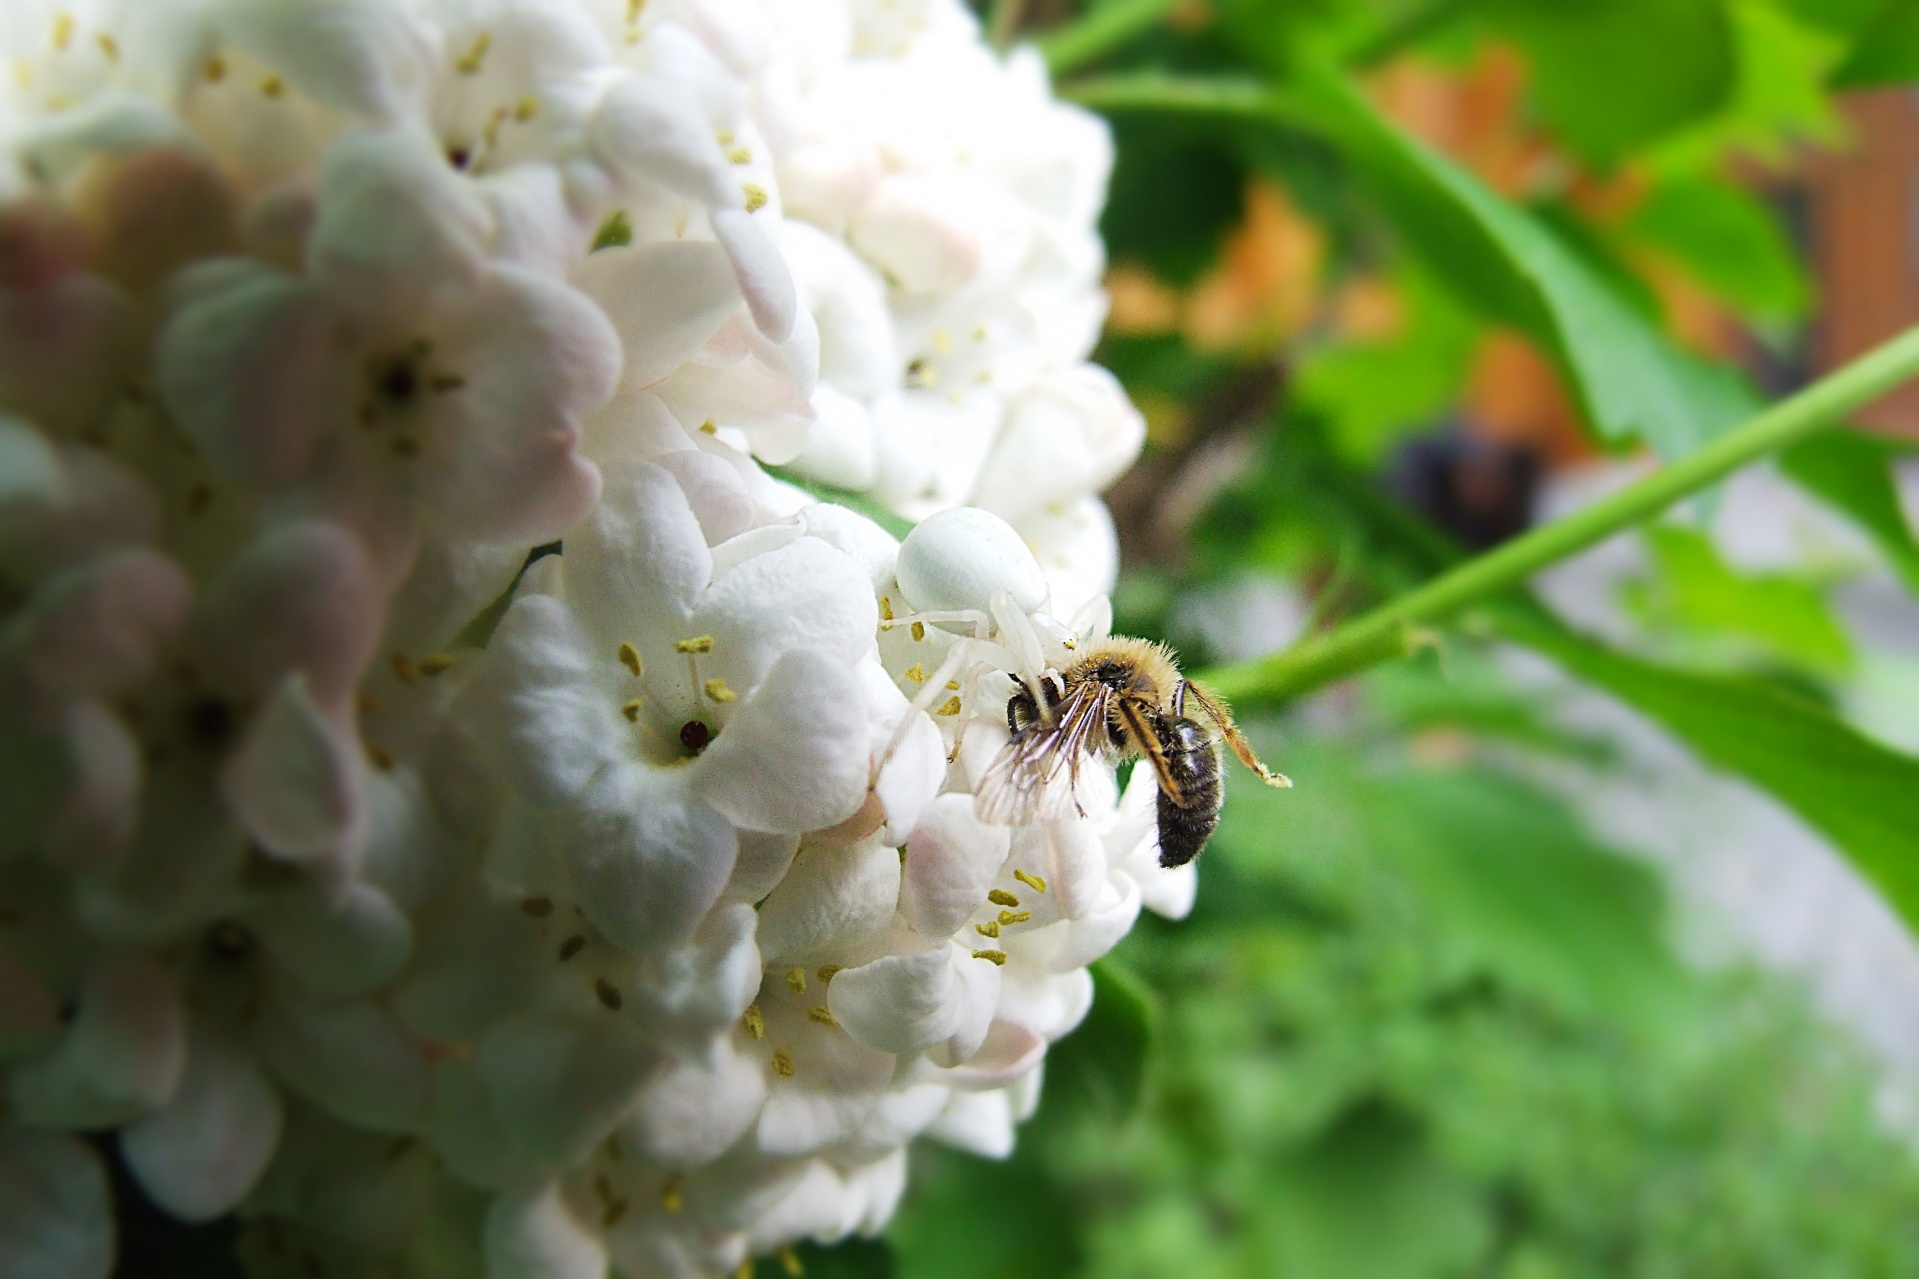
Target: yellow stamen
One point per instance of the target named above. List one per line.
(475, 57)
(404, 668)
(109, 46)
(886, 609)
(992, 956)
(952, 707)
(953, 684)
(827, 972)
(782, 1063)
(62, 31)
(988, 929)
(823, 1015)
(755, 196)
(526, 108)
(919, 630)
(916, 673)
(1000, 897)
(215, 70)
(1033, 882)
(273, 86)
(1011, 917)
(710, 427)
(739, 155)
(670, 1199)
(753, 1023)
(796, 978)
(436, 663)
(718, 691)
(698, 644)
(630, 658)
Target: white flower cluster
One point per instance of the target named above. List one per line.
(445, 913)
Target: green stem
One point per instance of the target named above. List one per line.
(1185, 95)
(1100, 32)
(1413, 29)
(1002, 22)
(1388, 631)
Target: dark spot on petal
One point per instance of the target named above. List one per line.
(694, 735)
(609, 994)
(400, 381)
(210, 722)
(571, 947)
(228, 941)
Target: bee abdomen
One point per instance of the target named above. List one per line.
(1192, 757)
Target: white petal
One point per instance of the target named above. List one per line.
(649, 131)
(245, 371)
(1075, 943)
(1075, 866)
(96, 817)
(351, 945)
(532, 1234)
(905, 1003)
(834, 901)
(56, 1217)
(764, 281)
(351, 1057)
(870, 546)
(836, 1082)
(693, 1110)
(1048, 1004)
(763, 862)
(952, 860)
(793, 756)
(649, 861)
(399, 235)
(97, 628)
(471, 967)
(122, 1055)
(804, 595)
(559, 1085)
(686, 996)
(1066, 436)
(1009, 1052)
(1077, 549)
(65, 350)
(201, 1153)
(29, 1017)
(665, 300)
(714, 490)
(353, 55)
(645, 555)
(980, 1123)
(957, 559)
(297, 781)
(839, 445)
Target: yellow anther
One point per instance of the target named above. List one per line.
(670, 1199)
(436, 663)
(62, 31)
(982, 377)
(1071, 642)
(710, 427)
(916, 673)
(1000, 897)
(633, 8)
(273, 86)
(827, 972)
(739, 155)
(823, 1015)
(929, 377)
(941, 342)
(755, 196)
(724, 137)
(979, 334)
(790, 1263)
(886, 609)
(108, 46)
(526, 108)
(782, 1063)
(630, 658)
(919, 630)
(953, 684)
(698, 644)
(952, 707)
(991, 956)
(753, 1023)
(608, 993)
(474, 58)
(1033, 882)
(632, 711)
(718, 691)
(215, 70)
(404, 668)
(988, 929)
(796, 978)
(1010, 917)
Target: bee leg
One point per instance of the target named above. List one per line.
(1140, 723)
(1223, 719)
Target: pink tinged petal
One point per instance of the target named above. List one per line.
(246, 371)
(793, 756)
(399, 235)
(304, 595)
(952, 860)
(646, 557)
(1009, 1052)
(977, 997)
(350, 1057)
(664, 300)
(559, 1085)
(648, 862)
(122, 1055)
(648, 131)
(358, 56)
(833, 902)
(537, 356)
(762, 863)
(351, 944)
(29, 1016)
(802, 596)
(66, 350)
(714, 490)
(532, 1234)
(1050, 1005)
(980, 1123)
(56, 1216)
(764, 281)
(933, 234)
(94, 820)
(199, 1155)
(836, 1082)
(97, 628)
(297, 782)
(692, 1111)
(532, 225)
(906, 1003)
(540, 706)
(825, 180)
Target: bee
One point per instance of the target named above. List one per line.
(1124, 698)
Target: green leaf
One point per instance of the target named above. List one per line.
(1097, 1072)
(1630, 380)
(1852, 473)
(848, 1259)
(1785, 616)
(859, 503)
(1608, 76)
(1176, 191)
(1846, 17)
(1862, 796)
(1886, 52)
(1729, 242)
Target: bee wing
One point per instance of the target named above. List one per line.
(1022, 781)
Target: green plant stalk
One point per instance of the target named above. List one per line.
(1388, 632)
(1099, 32)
